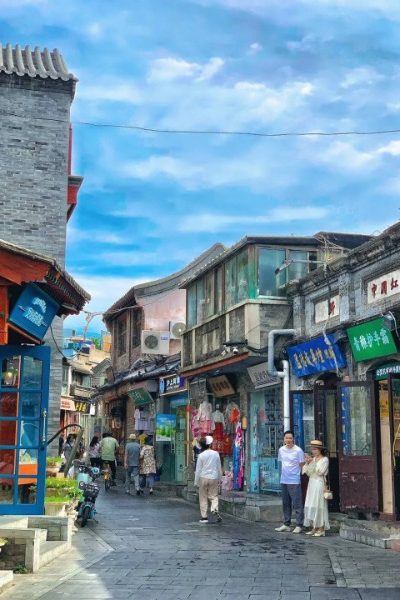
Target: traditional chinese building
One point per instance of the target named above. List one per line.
(346, 372)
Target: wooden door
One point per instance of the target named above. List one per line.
(326, 430)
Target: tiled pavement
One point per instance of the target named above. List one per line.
(154, 548)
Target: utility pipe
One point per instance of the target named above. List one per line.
(284, 374)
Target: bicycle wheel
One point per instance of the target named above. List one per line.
(107, 482)
(85, 515)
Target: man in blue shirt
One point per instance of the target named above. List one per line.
(291, 458)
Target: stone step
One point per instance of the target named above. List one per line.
(365, 536)
(51, 550)
(12, 522)
(6, 578)
(43, 535)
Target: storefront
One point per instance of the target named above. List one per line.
(172, 429)
(215, 410)
(26, 313)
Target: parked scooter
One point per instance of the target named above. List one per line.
(86, 483)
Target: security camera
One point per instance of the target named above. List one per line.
(235, 350)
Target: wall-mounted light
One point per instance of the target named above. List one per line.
(244, 422)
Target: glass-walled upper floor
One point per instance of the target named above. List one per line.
(249, 274)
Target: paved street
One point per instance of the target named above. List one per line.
(153, 548)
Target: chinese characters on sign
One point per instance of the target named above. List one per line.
(172, 384)
(383, 287)
(220, 386)
(371, 340)
(82, 407)
(325, 309)
(384, 371)
(316, 356)
(260, 377)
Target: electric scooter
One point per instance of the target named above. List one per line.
(86, 483)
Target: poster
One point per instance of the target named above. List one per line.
(165, 428)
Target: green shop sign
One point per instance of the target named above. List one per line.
(371, 340)
(140, 396)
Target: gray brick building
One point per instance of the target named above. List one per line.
(37, 191)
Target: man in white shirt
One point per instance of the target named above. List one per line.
(291, 458)
(207, 478)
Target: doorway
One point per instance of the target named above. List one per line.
(24, 392)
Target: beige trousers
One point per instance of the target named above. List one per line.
(208, 490)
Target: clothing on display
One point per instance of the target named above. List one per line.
(232, 416)
(218, 435)
(144, 421)
(238, 458)
(204, 417)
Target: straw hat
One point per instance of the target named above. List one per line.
(316, 444)
(132, 437)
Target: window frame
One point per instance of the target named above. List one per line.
(121, 335)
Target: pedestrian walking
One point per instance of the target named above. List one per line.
(69, 445)
(207, 478)
(108, 453)
(147, 466)
(291, 458)
(316, 506)
(94, 451)
(131, 464)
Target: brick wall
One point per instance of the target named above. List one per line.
(33, 172)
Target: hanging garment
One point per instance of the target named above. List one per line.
(232, 415)
(218, 435)
(238, 459)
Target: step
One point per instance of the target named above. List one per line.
(51, 550)
(43, 536)
(12, 522)
(365, 536)
(6, 579)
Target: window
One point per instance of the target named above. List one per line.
(219, 290)
(136, 327)
(269, 284)
(201, 301)
(230, 283)
(300, 265)
(242, 276)
(356, 420)
(191, 306)
(121, 336)
(210, 295)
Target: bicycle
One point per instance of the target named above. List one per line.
(107, 476)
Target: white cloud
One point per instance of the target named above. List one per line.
(255, 48)
(344, 156)
(393, 148)
(75, 236)
(361, 76)
(110, 91)
(171, 69)
(209, 222)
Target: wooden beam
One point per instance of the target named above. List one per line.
(20, 269)
(4, 308)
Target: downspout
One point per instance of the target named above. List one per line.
(284, 374)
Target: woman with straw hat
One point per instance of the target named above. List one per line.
(316, 506)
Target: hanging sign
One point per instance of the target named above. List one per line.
(82, 407)
(316, 356)
(384, 371)
(140, 396)
(34, 311)
(383, 287)
(220, 386)
(260, 377)
(371, 340)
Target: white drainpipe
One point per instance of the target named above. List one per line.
(284, 374)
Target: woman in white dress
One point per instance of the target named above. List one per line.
(316, 506)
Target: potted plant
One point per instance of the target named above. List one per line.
(53, 464)
(62, 496)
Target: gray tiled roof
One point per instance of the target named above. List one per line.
(34, 63)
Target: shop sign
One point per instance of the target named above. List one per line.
(385, 370)
(220, 386)
(140, 396)
(67, 404)
(165, 427)
(326, 309)
(172, 384)
(82, 407)
(260, 377)
(371, 340)
(316, 356)
(383, 287)
(34, 311)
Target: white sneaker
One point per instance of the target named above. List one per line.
(297, 529)
(282, 528)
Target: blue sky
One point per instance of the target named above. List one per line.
(150, 203)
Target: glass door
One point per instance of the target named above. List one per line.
(24, 392)
(395, 450)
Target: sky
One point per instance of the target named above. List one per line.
(150, 202)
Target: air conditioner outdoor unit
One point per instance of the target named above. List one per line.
(176, 328)
(155, 342)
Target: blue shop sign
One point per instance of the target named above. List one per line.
(34, 311)
(316, 356)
